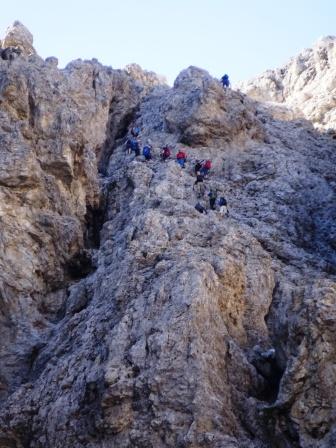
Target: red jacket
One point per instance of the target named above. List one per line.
(181, 155)
(207, 164)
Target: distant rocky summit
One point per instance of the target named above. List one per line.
(128, 318)
(307, 84)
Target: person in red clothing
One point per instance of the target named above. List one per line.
(165, 153)
(206, 168)
(181, 158)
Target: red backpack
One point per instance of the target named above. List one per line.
(207, 164)
(166, 152)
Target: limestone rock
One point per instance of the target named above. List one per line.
(146, 78)
(17, 35)
(306, 84)
(199, 112)
(129, 319)
(53, 129)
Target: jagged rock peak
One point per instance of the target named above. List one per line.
(17, 35)
(326, 40)
(306, 83)
(144, 76)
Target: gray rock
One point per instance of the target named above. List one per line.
(306, 84)
(129, 319)
(17, 35)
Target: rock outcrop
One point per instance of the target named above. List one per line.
(18, 36)
(128, 319)
(306, 84)
(53, 127)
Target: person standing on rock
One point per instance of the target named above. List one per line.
(225, 81)
(223, 210)
(212, 198)
(132, 144)
(147, 151)
(181, 158)
(206, 167)
(165, 153)
(198, 167)
(199, 186)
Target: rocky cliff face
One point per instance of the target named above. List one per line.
(306, 84)
(128, 319)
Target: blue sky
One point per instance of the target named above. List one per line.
(240, 37)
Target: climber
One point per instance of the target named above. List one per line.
(199, 186)
(223, 210)
(206, 166)
(165, 153)
(198, 166)
(135, 132)
(199, 207)
(181, 158)
(147, 151)
(212, 198)
(225, 81)
(132, 144)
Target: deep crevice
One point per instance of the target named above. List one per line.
(94, 220)
(115, 133)
(79, 266)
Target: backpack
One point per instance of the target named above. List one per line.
(166, 152)
(222, 201)
(181, 155)
(200, 208)
(207, 164)
(146, 151)
(134, 145)
(198, 166)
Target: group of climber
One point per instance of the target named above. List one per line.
(133, 145)
(202, 168)
(201, 171)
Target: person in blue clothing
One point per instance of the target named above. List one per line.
(225, 81)
(135, 132)
(132, 144)
(147, 149)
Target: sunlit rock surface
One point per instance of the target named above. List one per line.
(128, 319)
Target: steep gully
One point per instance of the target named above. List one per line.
(273, 371)
(155, 343)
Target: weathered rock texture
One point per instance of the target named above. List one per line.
(307, 84)
(128, 319)
(53, 125)
(18, 36)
